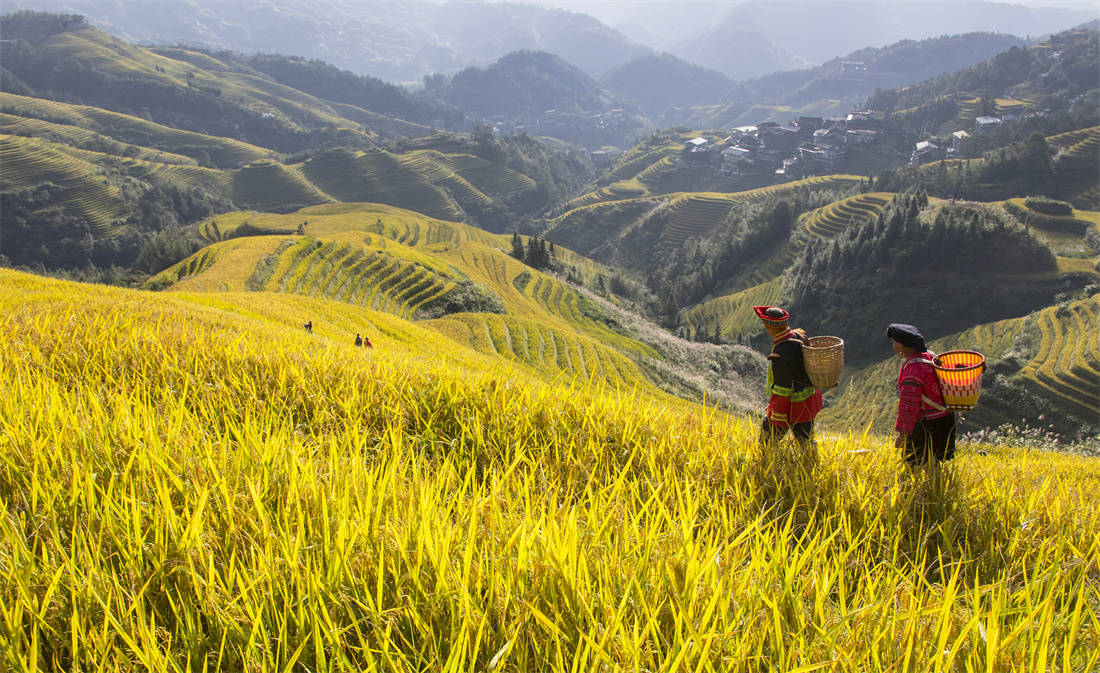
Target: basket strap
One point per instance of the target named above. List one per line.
(934, 405)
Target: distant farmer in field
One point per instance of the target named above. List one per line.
(367, 343)
(793, 402)
(926, 429)
(358, 339)
(309, 326)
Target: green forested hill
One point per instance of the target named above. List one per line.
(61, 58)
(658, 82)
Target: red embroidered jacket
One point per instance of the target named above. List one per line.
(792, 398)
(919, 392)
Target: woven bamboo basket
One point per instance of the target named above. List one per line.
(823, 357)
(960, 375)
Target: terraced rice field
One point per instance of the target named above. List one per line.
(868, 396)
(218, 228)
(547, 350)
(83, 138)
(694, 214)
(1068, 140)
(436, 172)
(1076, 167)
(26, 162)
(1061, 364)
(732, 315)
(126, 128)
(378, 177)
(831, 219)
(563, 302)
(268, 185)
(357, 275)
(634, 163)
(184, 176)
(222, 267)
(970, 108)
(491, 178)
(658, 171)
(1067, 364)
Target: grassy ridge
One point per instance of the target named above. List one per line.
(234, 494)
(731, 316)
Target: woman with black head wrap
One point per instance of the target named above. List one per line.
(926, 429)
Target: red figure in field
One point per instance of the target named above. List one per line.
(793, 401)
(926, 429)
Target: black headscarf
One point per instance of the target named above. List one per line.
(906, 335)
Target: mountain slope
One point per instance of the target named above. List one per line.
(844, 83)
(394, 41)
(660, 81)
(525, 83)
(1042, 372)
(737, 52)
(817, 32)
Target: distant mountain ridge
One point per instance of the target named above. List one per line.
(394, 41)
(818, 32)
(660, 81)
(850, 79)
(526, 83)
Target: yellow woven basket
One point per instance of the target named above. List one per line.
(960, 375)
(823, 357)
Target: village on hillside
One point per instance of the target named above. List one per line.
(823, 145)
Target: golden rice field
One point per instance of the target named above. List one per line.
(732, 315)
(829, 220)
(396, 261)
(1067, 364)
(193, 482)
(83, 138)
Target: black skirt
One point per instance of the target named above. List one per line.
(932, 439)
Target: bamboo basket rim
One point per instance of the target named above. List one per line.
(809, 340)
(980, 363)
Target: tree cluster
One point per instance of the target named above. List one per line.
(538, 253)
(943, 269)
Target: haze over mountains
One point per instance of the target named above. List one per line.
(403, 41)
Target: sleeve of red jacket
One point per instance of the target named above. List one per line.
(910, 408)
(779, 404)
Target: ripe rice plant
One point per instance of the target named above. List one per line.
(192, 482)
